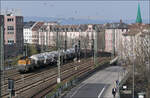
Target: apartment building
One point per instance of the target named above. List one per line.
(27, 31)
(13, 35)
(113, 36)
(71, 34)
(47, 35)
(35, 32)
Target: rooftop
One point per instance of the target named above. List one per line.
(37, 26)
(29, 24)
(116, 26)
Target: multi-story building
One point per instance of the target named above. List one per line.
(35, 32)
(71, 34)
(27, 31)
(13, 35)
(47, 34)
(113, 36)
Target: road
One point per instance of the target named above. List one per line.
(98, 85)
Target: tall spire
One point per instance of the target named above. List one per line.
(138, 18)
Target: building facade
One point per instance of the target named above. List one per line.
(13, 35)
(113, 36)
(35, 32)
(70, 34)
(27, 32)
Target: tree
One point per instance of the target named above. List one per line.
(135, 47)
(32, 50)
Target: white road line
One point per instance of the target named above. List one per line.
(101, 92)
(77, 90)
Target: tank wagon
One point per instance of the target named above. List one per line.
(44, 59)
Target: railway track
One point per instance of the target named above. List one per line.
(31, 78)
(87, 67)
(52, 80)
(17, 77)
(81, 71)
(29, 84)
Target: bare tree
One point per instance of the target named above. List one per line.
(136, 47)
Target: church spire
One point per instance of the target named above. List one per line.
(138, 18)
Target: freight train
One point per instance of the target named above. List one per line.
(33, 62)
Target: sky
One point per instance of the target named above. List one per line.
(103, 10)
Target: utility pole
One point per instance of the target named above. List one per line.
(26, 54)
(95, 47)
(65, 40)
(148, 78)
(149, 66)
(57, 38)
(113, 42)
(1, 54)
(58, 49)
(79, 45)
(92, 45)
(65, 43)
(133, 64)
(47, 36)
(42, 39)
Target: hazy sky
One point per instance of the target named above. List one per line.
(112, 10)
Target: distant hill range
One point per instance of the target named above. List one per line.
(77, 21)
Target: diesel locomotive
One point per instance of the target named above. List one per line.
(26, 64)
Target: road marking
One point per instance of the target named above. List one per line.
(77, 90)
(101, 92)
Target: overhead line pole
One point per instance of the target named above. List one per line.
(148, 78)
(58, 48)
(95, 46)
(47, 36)
(1, 55)
(133, 65)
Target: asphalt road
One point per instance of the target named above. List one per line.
(98, 85)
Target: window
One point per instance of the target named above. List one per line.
(10, 41)
(90, 29)
(10, 19)
(10, 28)
(10, 32)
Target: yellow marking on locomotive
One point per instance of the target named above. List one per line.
(24, 62)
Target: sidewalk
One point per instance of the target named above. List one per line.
(108, 92)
